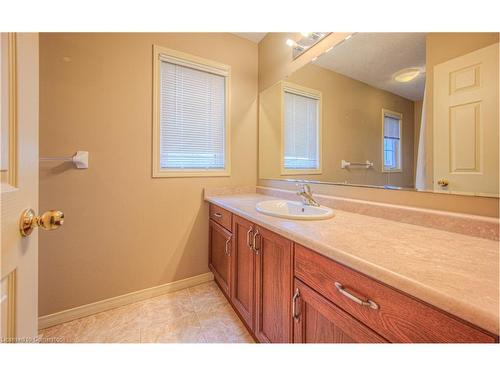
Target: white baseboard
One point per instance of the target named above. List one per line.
(118, 301)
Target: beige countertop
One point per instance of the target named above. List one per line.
(454, 272)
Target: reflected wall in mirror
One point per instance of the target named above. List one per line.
(395, 110)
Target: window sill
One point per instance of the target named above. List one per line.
(292, 172)
(191, 173)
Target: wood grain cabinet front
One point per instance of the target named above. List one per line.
(219, 254)
(273, 287)
(317, 320)
(392, 314)
(242, 270)
(262, 281)
(221, 216)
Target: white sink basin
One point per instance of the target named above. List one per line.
(293, 210)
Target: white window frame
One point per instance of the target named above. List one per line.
(397, 115)
(309, 93)
(180, 58)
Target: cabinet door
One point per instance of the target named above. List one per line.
(219, 254)
(317, 320)
(273, 272)
(242, 270)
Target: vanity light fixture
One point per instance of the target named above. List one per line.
(313, 36)
(308, 40)
(296, 46)
(292, 43)
(406, 75)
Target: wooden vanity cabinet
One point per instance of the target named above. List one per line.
(273, 287)
(317, 320)
(287, 293)
(242, 270)
(254, 268)
(392, 314)
(219, 254)
(261, 287)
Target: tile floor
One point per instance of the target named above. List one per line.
(200, 314)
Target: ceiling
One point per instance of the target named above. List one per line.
(374, 58)
(254, 37)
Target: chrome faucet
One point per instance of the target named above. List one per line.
(306, 195)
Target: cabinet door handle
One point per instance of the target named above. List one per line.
(352, 297)
(226, 249)
(254, 243)
(295, 314)
(249, 233)
(217, 214)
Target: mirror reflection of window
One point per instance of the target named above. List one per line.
(301, 132)
(392, 141)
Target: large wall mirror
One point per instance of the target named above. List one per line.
(389, 110)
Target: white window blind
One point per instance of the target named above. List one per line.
(392, 142)
(391, 127)
(301, 132)
(192, 118)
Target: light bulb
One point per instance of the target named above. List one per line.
(291, 43)
(306, 35)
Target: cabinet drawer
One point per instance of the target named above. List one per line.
(399, 318)
(320, 321)
(221, 216)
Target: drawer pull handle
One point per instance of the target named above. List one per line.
(352, 297)
(295, 314)
(217, 214)
(254, 243)
(249, 233)
(226, 249)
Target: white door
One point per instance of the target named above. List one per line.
(19, 141)
(466, 123)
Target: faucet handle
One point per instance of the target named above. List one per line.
(304, 188)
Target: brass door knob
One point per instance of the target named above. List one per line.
(49, 220)
(443, 182)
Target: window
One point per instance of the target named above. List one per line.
(191, 116)
(301, 130)
(391, 142)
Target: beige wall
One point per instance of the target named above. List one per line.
(125, 231)
(270, 118)
(352, 129)
(441, 47)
